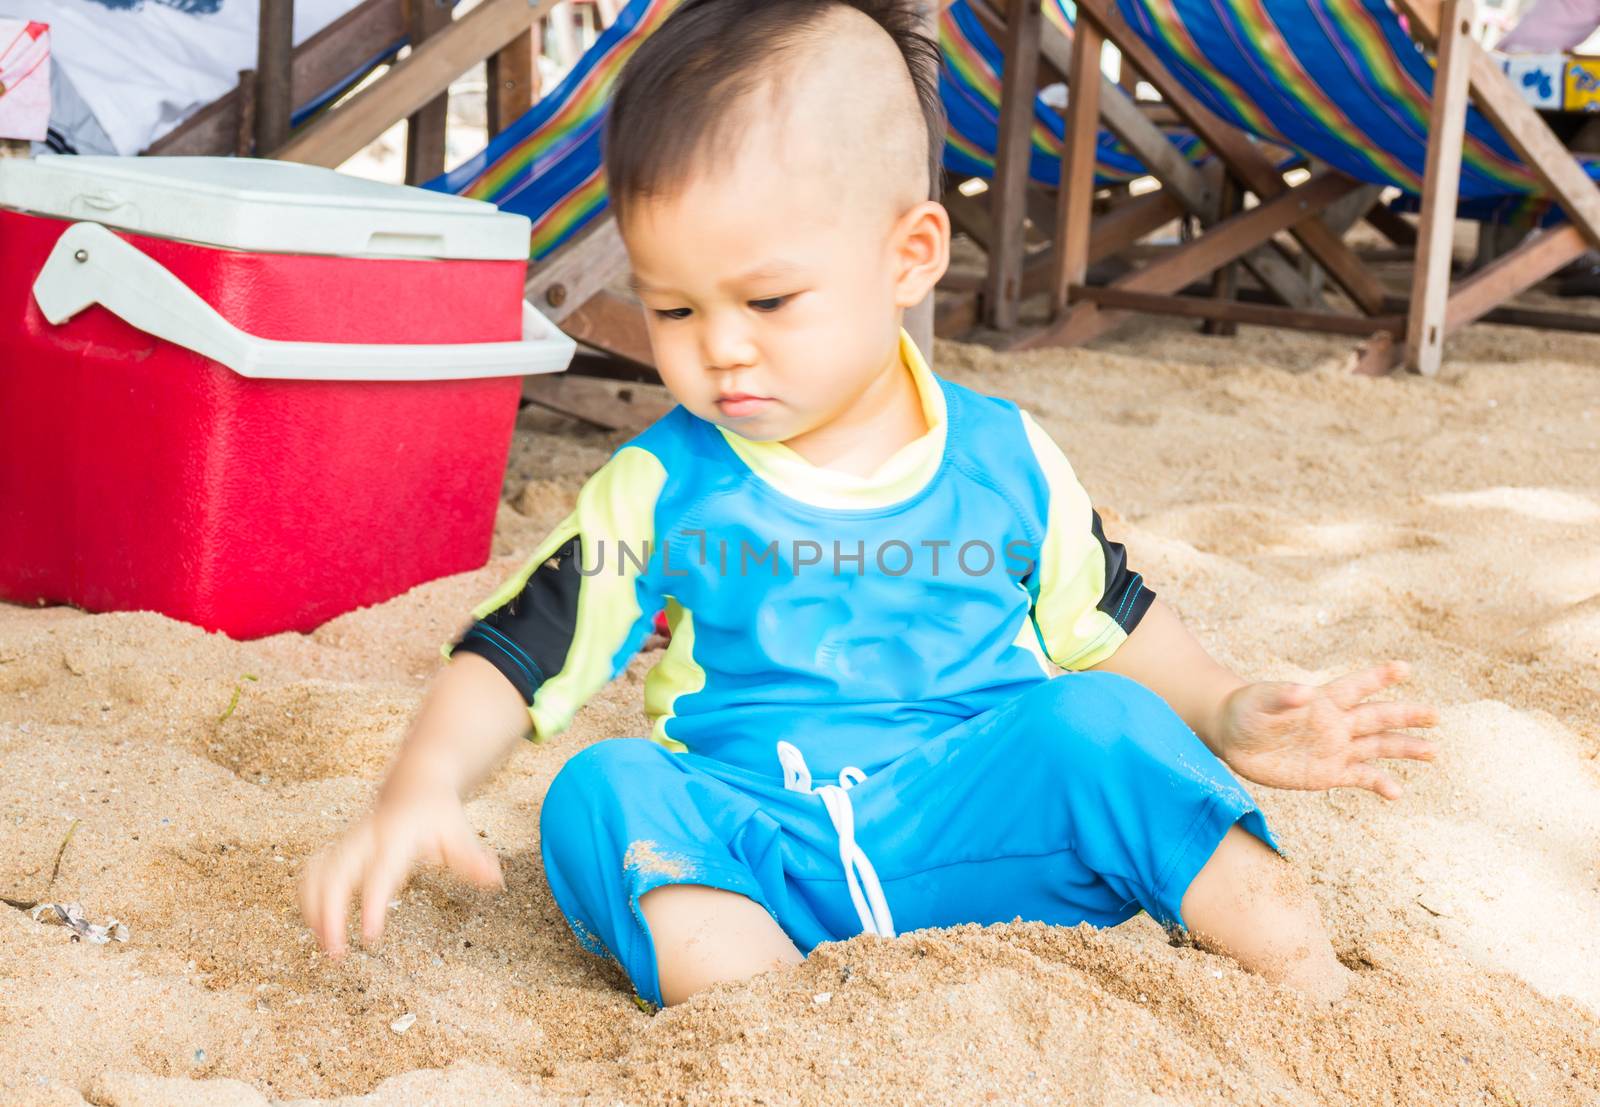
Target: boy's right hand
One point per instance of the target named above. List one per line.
(424, 823)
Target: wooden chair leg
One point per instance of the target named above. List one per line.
(1430, 286)
(244, 139)
(1193, 189)
(566, 281)
(1224, 242)
(1014, 146)
(513, 79)
(274, 102)
(413, 82)
(1392, 225)
(1243, 159)
(425, 130)
(227, 124)
(1541, 254)
(1225, 281)
(1075, 195)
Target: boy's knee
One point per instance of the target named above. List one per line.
(607, 761)
(1084, 715)
(584, 796)
(1092, 732)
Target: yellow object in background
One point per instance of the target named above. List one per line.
(1581, 90)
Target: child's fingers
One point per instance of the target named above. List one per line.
(328, 890)
(1350, 690)
(471, 861)
(1389, 745)
(1287, 697)
(1372, 718)
(385, 876)
(1363, 775)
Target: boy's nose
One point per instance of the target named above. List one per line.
(727, 347)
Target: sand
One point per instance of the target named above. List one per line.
(1302, 521)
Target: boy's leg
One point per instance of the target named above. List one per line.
(706, 935)
(1252, 905)
(1083, 800)
(675, 874)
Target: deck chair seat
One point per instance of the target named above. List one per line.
(969, 84)
(1339, 80)
(547, 164)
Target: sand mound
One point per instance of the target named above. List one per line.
(1303, 521)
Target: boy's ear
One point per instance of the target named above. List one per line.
(921, 247)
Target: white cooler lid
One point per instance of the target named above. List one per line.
(262, 206)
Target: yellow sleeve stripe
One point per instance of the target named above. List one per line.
(616, 508)
(615, 512)
(676, 674)
(560, 536)
(1072, 567)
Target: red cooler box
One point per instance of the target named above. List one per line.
(272, 394)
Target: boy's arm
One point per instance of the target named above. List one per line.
(1162, 655)
(1086, 598)
(1093, 612)
(537, 649)
(581, 607)
(1281, 734)
(470, 719)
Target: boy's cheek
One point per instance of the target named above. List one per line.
(676, 363)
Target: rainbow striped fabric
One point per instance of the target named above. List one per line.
(969, 83)
(1337, 80)
(547, 165)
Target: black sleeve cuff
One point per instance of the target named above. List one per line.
(1125, 598)
(1136, 600)
(504, 654)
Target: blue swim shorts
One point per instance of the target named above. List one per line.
(1083, 799)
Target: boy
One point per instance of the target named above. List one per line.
(867, 571)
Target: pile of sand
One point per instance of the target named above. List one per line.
(1303, 522)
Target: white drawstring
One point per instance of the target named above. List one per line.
(860, 877)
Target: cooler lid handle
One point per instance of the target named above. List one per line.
(90, 265)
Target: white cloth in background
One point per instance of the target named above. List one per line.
(73, 127)
(141, 67)
(1552, 27)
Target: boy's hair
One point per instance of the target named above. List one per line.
(677, 89)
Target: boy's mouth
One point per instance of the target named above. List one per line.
(737, 405)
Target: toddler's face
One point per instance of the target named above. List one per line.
(773, 297)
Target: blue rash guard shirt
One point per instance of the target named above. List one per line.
(854, 617)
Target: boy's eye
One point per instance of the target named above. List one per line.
(771, 303)
(672, 313)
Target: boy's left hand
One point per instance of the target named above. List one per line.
(1313, 737)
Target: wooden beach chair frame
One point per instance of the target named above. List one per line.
(1467, 73)
(1029, 43)
(1435, 310)
(254, 117)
